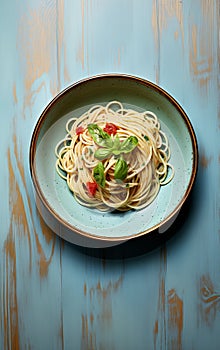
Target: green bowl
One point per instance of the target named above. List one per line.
(89, 227)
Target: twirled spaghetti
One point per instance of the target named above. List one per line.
(114, 158)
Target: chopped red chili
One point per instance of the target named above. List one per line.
(91, 187)
(110, 128)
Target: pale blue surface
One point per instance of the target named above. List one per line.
(54, 295)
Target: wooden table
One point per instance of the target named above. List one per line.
(55, 295)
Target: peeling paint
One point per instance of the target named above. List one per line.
(175, 320)
(11, 319)
(15, 94)
(102, 296)
(85, 289)
(18, 212)
(81, 51)
(37, 46)
(43, 262)
(201, 61)
(18, 218)
(61, 47)
(162, 13)
(159, 331)
(104, 291)
(205, 161)
(88, 337)
(201, 46)
(118, 55)
(209, 299)
(156, 330)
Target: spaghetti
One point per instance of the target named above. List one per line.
(114, 158)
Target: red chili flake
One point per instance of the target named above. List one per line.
(110, 128)
(79, 130)
(91, 187)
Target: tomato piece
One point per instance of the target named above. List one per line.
(91, 187)
(79, 130)
(110, 128)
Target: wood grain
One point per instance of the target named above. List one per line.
(209, 301)
(57, 296)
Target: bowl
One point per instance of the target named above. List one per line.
(89, 227)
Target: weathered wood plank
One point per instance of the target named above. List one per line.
(53, 294)
(188, 71)
(28, 247)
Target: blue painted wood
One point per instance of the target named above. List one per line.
(57, 296)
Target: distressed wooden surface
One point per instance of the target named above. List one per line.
(54, 295)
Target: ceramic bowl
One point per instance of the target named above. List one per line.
(89, 227)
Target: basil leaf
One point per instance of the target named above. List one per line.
(146, 138)
(109, 143)
(116, 143)
(114, 146)
(102, 153)
(116, 152)
(98, 135)
(129, 144)
(121, 169)
(99, 175)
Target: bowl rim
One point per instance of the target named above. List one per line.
(128, 77)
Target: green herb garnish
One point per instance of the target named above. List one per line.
(100, 137)
(121, 169)
(99, 175)
(110, 145)
(102, 153)
(129, 144)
